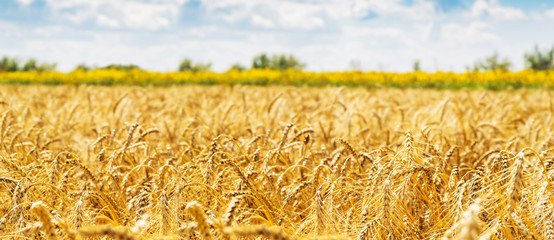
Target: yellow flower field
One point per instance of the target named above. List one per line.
(488, 80)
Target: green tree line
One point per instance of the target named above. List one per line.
(261, 61)
(537, 59)
(8, 64)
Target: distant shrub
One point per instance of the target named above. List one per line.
(8, 64)
(492, 63)
(277, 62)
(188, 65)
(33, 65)
(124, 67)
(538, 60)
(238, 67)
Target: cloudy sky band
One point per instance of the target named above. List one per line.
(326, 34)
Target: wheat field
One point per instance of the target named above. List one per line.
(239, 162)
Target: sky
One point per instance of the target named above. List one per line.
(326, 35)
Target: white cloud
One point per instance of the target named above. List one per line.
(104, 20)
(425, 30)
(550, 13)
(25, 2)
(270, 14)
(258, 20)
(47, 31)
(10, 31)
(493, 9)
(149, 15)
(308, 15)
(388, 32)
(290, 15)
(203, 31)
(419, 10)
(476, 32)
(537, 16)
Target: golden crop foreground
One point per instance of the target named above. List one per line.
(488, 80)
(222, 162)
